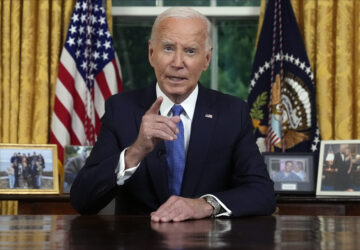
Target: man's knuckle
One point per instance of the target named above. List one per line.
(161, 126)
(145, 118)
(181, 202)
(147, 132)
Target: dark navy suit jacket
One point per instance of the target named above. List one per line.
(222, 159)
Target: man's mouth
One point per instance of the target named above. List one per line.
(176, 78)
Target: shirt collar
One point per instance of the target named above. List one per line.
(188, 104)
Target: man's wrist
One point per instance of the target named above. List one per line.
(216, 207)
(132, 157)
(207, 208)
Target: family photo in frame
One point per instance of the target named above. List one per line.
(27, 168)
(339, 168)
(291, 172)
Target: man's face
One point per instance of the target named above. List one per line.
(342, 148)
(178, 55)
(288, 166)
(297, 168)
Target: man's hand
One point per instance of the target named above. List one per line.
(153, 129)
(179, 209)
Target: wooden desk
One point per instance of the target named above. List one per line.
(42, 204)
(311, 205)
(288, 205)
(130, 232)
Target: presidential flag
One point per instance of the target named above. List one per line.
(282, 89)
(88, 74)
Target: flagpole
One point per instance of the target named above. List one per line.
(272, 79)
(281, 74)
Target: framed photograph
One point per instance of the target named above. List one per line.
(291, 172)
(28, 169)
(339, 168)
(75, 158)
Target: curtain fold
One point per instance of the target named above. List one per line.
(8, 207)
(331, 33)
(32, 35)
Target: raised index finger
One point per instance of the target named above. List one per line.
(155, 107)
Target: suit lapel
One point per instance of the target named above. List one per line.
(155, 160)
(202, 128)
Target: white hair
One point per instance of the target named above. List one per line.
(183, 12)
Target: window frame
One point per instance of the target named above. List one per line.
(212, 12)
(237, 12)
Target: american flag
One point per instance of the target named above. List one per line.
(88, 74)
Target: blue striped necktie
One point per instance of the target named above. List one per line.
(176, 155)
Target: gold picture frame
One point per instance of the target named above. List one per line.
(28, 169)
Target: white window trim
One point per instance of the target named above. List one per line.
(211, 11)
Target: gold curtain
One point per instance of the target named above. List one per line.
(331, 33)
(32, 35)
(8, 207)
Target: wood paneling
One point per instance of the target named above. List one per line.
(287, 205)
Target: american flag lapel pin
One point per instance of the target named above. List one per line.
(210, 116)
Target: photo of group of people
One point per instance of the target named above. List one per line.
(341, 168)
(26, 169)
(288, 170)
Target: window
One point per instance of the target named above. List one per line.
(234, 24)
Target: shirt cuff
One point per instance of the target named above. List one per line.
(123, 174)
(224, 211)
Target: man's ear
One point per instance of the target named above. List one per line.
(150, 52)
(208, 59)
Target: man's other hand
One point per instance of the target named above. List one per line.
(153, 129)
(179, 209)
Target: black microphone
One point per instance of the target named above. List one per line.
(161, 153)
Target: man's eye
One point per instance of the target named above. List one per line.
(168, 48)
(190, 51)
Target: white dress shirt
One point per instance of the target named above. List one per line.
(342, 156)
(186, 117)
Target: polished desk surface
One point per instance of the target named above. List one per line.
(136, 232)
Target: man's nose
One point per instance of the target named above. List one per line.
(178, 60)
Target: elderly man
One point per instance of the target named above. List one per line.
(176, 150)
(342, 166)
